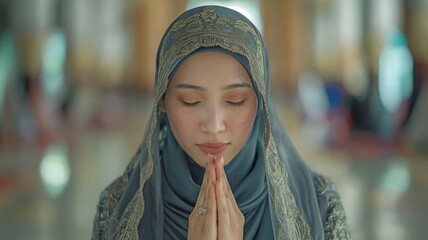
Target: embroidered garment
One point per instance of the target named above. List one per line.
(279, 195)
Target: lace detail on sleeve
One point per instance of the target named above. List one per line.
(107, 202)
(336, 225)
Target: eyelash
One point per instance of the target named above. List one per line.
(189, 104)
(235, 104)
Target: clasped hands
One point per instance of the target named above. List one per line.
(216, 214)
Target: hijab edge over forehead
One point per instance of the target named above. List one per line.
(214, 27)
(241, 59)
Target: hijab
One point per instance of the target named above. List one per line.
(277, 193)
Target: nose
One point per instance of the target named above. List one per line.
(213, 121)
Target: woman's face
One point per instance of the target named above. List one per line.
(211, 106)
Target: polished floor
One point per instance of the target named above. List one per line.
(49, 188)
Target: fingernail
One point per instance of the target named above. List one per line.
(222, 160)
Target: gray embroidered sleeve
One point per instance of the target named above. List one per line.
(336, 226)
(107, 202)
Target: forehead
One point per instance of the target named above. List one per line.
(210, 67)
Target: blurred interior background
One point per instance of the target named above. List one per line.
(349, 79)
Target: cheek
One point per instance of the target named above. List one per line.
(179, 121)
(242, 121)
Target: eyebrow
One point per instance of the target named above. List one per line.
(194, 87)
(237, 85)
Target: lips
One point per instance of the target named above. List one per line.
(213, 148)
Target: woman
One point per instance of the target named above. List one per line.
(215, 162)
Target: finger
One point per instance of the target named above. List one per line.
(224, 177)
(210, 225)
(223, 207)
(222, 174)
(212, 166)
(209, 180)
(203, 188)
(230, 195)
(219, 168)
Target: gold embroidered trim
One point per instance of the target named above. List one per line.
(202, 30)
(128, 225)
(291, 224)
(107, 212)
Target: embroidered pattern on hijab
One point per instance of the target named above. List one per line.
(144, 201)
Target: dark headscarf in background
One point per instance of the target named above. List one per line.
(280, 197)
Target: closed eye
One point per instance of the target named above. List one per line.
(237, 104)
(190, 104)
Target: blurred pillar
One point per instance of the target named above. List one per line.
(79, 18)
(324, 39)
(4, 12)
(416, 28)
(337, 35)
(98, 41)
(351, 66)
(149, 21)
(31, 23)
(286, 34)
(387, 46)
(113, 43)
(384, 17)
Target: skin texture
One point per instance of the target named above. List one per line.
(211, 99)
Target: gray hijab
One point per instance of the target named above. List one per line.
(280, 197)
